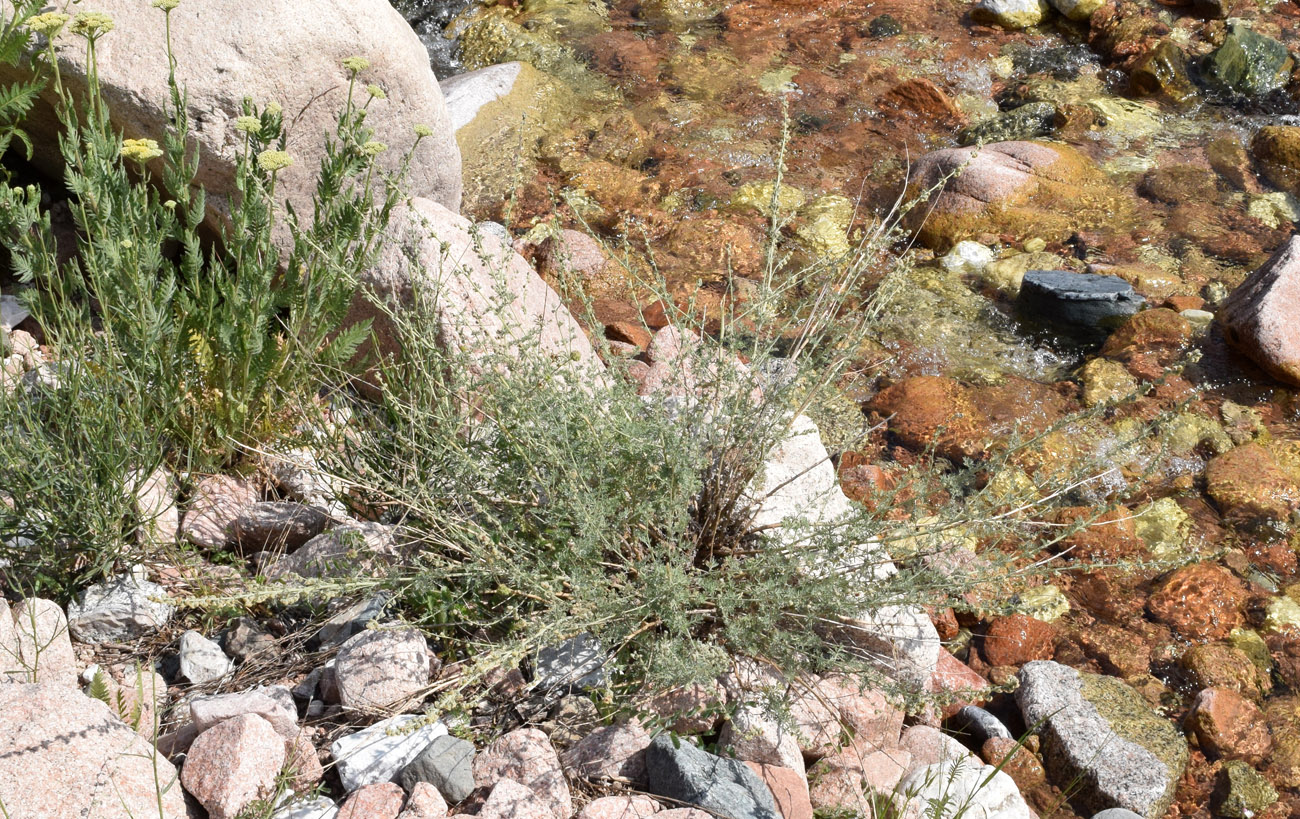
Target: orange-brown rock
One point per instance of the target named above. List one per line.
(921, 97)
(1229, 726)
(1017, 639)
(1150, 342)
(1015, 761)
(1109, 595)
(1199, 602)
(1218, 665)
(1116, 650)
(934, 411)
(1249, 487)
(1104, 537)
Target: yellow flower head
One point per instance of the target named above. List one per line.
(422, 131)
(49, 24)
(248, 125)
(140, 150)
(272, 161)
(92, 24)
(374, 148)
(165, 5)
(356, 64)
(376, 92)
(274, 109)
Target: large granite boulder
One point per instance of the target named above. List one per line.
(487, 301)
(276, 51)
(66, 754)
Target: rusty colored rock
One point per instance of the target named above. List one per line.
(1015, 761)
(1219, 665)
(934, 411)
(1229, 726)
(1250, 488)
(1017, 639)
(1107, 537)
(1200, 602)
(1116, 650)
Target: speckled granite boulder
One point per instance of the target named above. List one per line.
(1101, 735)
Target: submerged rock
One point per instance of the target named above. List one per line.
(1031, 120)
(508, 105)
(1022, 188)
(1079, 303)
(1163, 70)
(1011, 14)
(1277, 150)
(1077, 9)
(1248, 64)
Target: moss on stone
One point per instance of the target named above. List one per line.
(1131, 718)
(1247, 792)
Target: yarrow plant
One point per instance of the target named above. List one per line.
(172, 349)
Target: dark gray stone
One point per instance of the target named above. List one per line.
(447, 764)
(283, 526)
(350, 621)
(576, 664)
(246, 638)
(726, 787)
(1079, 303)
(885, 26)
(980, 725)
(1030, 120)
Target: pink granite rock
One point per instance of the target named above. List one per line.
(694, 709)
(789, 789)
(379, 668)
(433, 255)
(1259, 317)
(379, 801)
(638, 806)
(425, 802)
(754, 735)
(612, 752)
(232, 764)
(272, 703)
(66, 754)
(684, 813)
(527, 757)
(511, 800)
(302, 763)
(218, 500)
(44, 646)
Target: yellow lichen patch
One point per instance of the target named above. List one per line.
(759, 196)
(824, 230)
